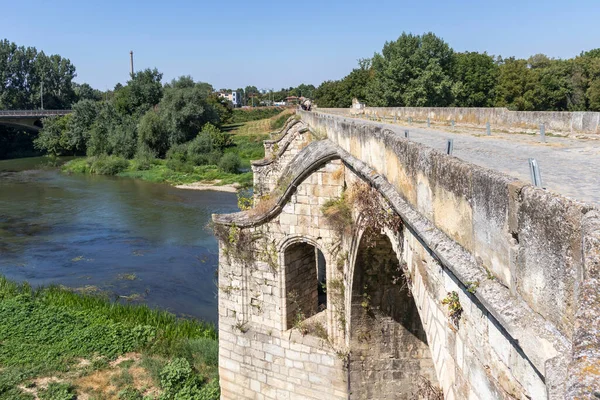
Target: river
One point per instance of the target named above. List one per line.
(138, 241)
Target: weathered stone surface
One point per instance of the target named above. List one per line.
(557, 121)
(522, 262)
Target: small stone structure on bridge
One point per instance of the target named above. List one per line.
(372, 267)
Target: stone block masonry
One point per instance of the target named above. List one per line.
(560, 122)
(483, 291)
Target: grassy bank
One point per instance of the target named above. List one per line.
(56, 344)
(254, 114)
(231, 167)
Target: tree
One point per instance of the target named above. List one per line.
(475, 79)
(153, 133)
(185, 111)
(142, 92)
(78, 129)
(86, 92)
(22, 71)
(414, 70)
(248, 92)
(53, 138)
(593, 95)
(514, 81)
(330, 94)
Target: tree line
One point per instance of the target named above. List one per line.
(424, 71)
(141, 117)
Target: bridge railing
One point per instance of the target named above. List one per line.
(33, 113)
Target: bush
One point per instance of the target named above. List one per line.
(107, 165)
(130, 393)
(144, 158)
(178, 152)
(180, 382)
(219, 139)
(211, 158)
(230, 162)
(180, 166)
(175, 374)
(57, 391)
(201, 144)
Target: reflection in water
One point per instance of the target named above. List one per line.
(132, 238)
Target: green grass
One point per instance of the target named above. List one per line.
(47, 331)
(254, 114)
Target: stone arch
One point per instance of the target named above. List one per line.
(389, 351)
(303, 279)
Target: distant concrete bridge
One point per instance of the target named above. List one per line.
(375, 267)
(28, 119)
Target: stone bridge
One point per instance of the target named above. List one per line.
(28, 119)
(374, 267)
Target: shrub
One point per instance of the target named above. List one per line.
(144, 158)
(203, 143)
(180, 166)
(175, 374)
(107, 165)
(57, 391)
(177, 152)
(230, 162)
(338, 214)
(130, 393)
(220, 140)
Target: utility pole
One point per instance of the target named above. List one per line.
(42, 93)
(131, 59)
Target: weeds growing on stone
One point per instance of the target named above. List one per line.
(454, 307)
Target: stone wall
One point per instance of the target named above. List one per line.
(260, 357)
(511, 253)
(555, 121)
(528, 239)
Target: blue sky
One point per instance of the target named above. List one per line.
(232, 44)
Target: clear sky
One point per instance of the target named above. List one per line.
(276, 44)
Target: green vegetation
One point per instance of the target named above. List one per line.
(58, 344)
(455, 309)
(254, 114)
(424, 71)
(220, 157)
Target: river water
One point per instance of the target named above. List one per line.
(136, 240)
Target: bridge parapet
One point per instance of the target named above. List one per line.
(558, 122)
(508, 254)
(32, 113)
(529, 239)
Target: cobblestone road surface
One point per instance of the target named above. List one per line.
(568, 166)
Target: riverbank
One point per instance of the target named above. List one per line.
(57, 344)
(228, 173)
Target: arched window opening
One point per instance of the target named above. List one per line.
(321, 281)
(305, 282)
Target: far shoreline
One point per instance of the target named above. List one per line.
(230, 188)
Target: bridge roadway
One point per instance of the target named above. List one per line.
(568, 166)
